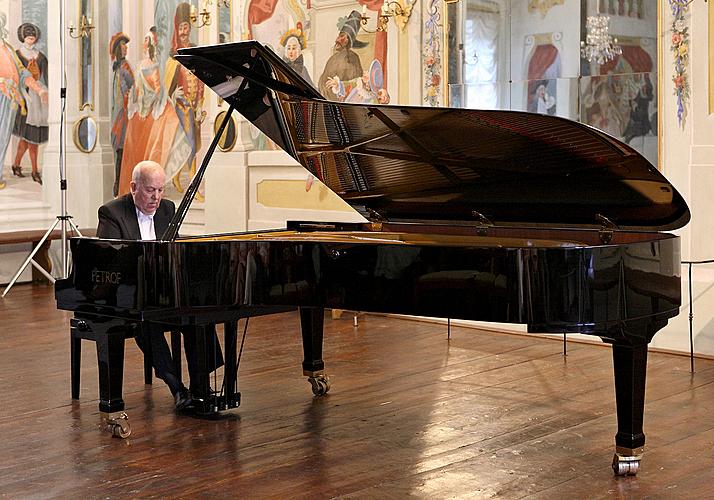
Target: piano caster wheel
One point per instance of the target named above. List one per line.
(320, 384)
(625, 466)
(117, 424)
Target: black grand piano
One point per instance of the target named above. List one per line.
(497, 216)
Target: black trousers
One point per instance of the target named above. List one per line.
(152, 342)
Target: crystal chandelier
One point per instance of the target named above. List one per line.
(599, 45)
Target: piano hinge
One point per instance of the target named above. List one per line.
(374, 216)
(607, 228)
(482, 222)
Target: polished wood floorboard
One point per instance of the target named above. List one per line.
(409, 415)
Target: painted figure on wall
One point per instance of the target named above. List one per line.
(153, 131)
(31, 128)
(601, 105)
(267, 19)
(294, 42)
(367, 89)
(185, 91)
(344, 64)
(13, 78)
(545, 103)
(544, 69)
(620, 100)
(122, 83)
(639, 123)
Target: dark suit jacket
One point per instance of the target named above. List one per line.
(117, 219)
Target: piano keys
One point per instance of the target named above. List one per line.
(498, 216)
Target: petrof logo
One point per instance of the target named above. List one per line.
(106, 277)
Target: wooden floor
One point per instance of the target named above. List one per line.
(409, 415)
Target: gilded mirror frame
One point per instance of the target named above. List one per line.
(223, 145)
(75, 134)
(85, 72)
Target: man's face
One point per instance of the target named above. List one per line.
(341, 41)
(292, 49)
(123, 49)
(184, 31)
(30, 40)
(147, 193)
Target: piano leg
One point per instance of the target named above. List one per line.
(110, 361)
(230, 371)
(200, 383)
(311, 325)
(630, 363)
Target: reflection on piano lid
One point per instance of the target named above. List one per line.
(418, 164)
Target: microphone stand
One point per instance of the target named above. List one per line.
(63, 219)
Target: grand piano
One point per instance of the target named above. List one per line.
(499, 216)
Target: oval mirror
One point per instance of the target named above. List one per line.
(228, 139)
(85, 134)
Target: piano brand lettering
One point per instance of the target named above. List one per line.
(104, 277)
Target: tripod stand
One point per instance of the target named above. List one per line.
(64, 220)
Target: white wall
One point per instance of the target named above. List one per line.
(687, 159)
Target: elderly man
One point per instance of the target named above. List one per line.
(143, 214)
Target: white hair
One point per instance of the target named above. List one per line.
(143, 168)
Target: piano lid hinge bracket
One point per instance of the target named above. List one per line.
(607, 229)
(483, 223)
(374, 216)
(605, 236)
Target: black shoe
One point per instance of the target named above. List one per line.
(183, 399)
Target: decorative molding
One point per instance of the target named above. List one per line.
(711, 56)
(433, 36)
(680, 51)
(543, 6)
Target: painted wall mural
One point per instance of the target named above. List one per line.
(23, 98)
(620, 100)
(157, 105)
(544, 67)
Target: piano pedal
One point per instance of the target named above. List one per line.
(116, 423)
(320, 384)
(215, 403)
(626, 462)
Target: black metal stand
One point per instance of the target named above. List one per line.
(691, 309)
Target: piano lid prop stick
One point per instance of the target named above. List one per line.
(172, 231)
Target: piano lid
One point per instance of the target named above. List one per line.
(422, 164)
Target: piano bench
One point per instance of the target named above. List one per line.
(79, 332)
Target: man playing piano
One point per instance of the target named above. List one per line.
(143, 214)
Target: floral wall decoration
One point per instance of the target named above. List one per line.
(680, 51)
(432, 53)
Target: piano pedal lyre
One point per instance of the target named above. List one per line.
(319, 381)
(117, 423)
(626, 461)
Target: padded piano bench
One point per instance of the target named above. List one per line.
(80, 330)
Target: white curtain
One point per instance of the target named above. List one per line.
(481, 59)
